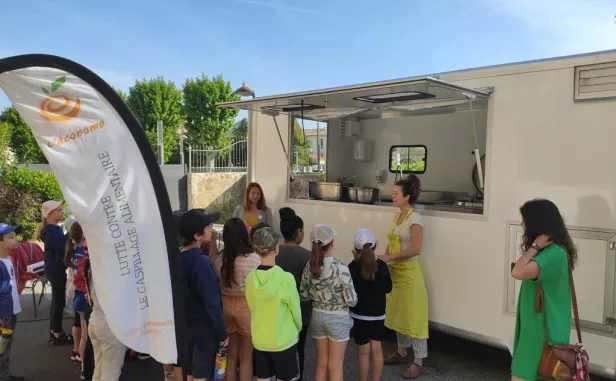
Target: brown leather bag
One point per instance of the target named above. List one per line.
(558, 361)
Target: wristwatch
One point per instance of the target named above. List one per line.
(536, 247)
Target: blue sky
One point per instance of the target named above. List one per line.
(280, 46)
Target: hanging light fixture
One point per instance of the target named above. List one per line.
(245, 91)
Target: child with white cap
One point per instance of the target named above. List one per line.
(54, 240)
(372, 282)
(326, 281)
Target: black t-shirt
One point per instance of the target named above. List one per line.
(293, 259)
(371, 294)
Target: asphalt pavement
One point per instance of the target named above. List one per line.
(449, 358)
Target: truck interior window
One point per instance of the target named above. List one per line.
(408, 158)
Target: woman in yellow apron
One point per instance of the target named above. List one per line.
(407, 304)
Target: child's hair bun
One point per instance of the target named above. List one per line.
(286, 213)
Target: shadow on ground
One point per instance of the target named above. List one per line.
(449, 358)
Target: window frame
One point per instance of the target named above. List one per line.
(409, 146)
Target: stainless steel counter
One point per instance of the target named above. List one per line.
(442, 207)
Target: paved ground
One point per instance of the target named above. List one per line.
(450, 358)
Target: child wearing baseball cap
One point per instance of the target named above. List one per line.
(372, 282)
(276, 317)
(201, 294)
(9, 300)
(54, 240)
(326, 281)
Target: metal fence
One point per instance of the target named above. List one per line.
(233, 158)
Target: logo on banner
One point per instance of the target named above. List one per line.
(58, 107)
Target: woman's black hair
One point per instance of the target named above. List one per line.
(290, 223)
(237, 242)
(258, 226)
(411, 186)
(543, 217)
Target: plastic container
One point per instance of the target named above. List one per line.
(5, 338)
(221, 363)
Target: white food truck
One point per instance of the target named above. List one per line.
(482, 141)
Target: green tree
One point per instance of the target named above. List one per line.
(301, 146)
(153, 100)
(23, 144)
(207, 123)
(240, 130)
(5, 144)
(122, 94)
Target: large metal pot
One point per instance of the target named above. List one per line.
(364, 195)
(352, 194)
(325, 191)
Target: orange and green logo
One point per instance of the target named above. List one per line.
(57, 106)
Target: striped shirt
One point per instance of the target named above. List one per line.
(243, 265)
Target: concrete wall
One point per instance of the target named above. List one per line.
(173, 174)
(209, 190)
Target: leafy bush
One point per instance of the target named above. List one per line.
(225, 207)
(413, 166)
(41, 185)
(22, 191)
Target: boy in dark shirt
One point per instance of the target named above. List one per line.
(202, 295)
(9, 300)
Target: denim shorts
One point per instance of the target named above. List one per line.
(335, 327)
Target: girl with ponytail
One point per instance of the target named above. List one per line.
(327, 282)
(372, 283)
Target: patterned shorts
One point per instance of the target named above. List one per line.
(334, 327)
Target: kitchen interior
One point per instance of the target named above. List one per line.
(439, 140)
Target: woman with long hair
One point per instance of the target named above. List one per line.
(407, 304)
(75, 257)
(326, 281)
(293, 258)
(54, 240)
(372, 283)
(548, 253)
(254, 209)
(233, 265)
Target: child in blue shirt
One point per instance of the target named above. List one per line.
(201, 295)
(9, 299)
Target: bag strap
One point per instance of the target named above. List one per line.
(539, 306)
(576, 316)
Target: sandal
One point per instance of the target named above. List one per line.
(394, 358)
(412, 371)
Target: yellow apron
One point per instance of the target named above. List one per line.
(407, 304)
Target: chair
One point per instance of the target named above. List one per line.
(31, 285)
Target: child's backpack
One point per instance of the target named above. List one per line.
(25, 254)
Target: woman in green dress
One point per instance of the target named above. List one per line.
(548, 253)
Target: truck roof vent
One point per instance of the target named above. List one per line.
(596, 81)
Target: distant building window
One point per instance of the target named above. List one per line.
(408, 158)
(321, 142)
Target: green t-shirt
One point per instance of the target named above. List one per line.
(528, 339)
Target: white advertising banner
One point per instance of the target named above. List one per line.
(110, 189)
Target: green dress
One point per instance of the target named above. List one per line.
(528, 339)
